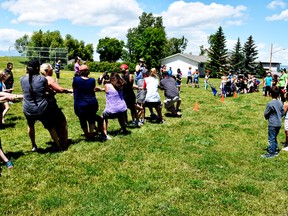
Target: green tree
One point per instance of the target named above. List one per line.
(202, 50)
(250, 54)
(110, 49)
(78, 48)
(44, 45)
(217, 52)
(175, 45)
(147, 40)
(237, 57)
(21, 43)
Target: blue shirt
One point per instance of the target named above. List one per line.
(268, 80)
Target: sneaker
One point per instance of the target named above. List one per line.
(268, 155)
(139, 123)
(178, 114)
(285, 148)
(103, 137)
(9, 164)
(34, 149)
(161, 121)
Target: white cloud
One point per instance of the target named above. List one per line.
(85, 12)
(198, 15)
(275, 4)
(195, 21)
(282, 16)
(8, 38)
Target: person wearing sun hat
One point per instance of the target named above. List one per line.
(140, 70)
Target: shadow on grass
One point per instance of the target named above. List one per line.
(14, 155)
(4, 126)
(53, 148)
(170, 115)
(119, 132)
(11, 123)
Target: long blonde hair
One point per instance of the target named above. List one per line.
(153, 72)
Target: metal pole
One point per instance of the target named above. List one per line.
(270, 57)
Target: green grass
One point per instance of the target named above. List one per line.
(206, 163)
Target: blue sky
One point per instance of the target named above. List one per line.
(90, 20)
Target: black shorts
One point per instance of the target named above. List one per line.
(57, 75)
(107, 115)
(46, 119)
(152, 104)
(87, 113)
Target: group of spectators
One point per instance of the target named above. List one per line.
(240, 84)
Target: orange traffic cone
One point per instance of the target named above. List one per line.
(222, 98)
(196, 108)
(235, 94)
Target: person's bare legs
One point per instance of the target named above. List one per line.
(105, 125)
(159, 112)
(31, 133)
(121, 120)
(62, 132)
(91, 130)
(178, 105)
(6, 108)
(54, 136)
(3, 156)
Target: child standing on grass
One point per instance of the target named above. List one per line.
(273, 113)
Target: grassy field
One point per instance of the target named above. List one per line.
(206, 163)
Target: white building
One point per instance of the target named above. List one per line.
(184, 61)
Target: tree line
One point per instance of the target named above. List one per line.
(148, 40)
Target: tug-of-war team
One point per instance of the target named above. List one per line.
(39, 88)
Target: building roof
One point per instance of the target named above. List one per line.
(188, 56)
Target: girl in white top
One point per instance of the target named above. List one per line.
(152, 98)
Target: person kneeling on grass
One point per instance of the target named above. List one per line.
(171, 94)
(273, 113)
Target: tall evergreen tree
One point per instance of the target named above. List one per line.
(250, 54)
(237, 57)
(217, 53)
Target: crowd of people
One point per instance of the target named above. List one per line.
(124, 90)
